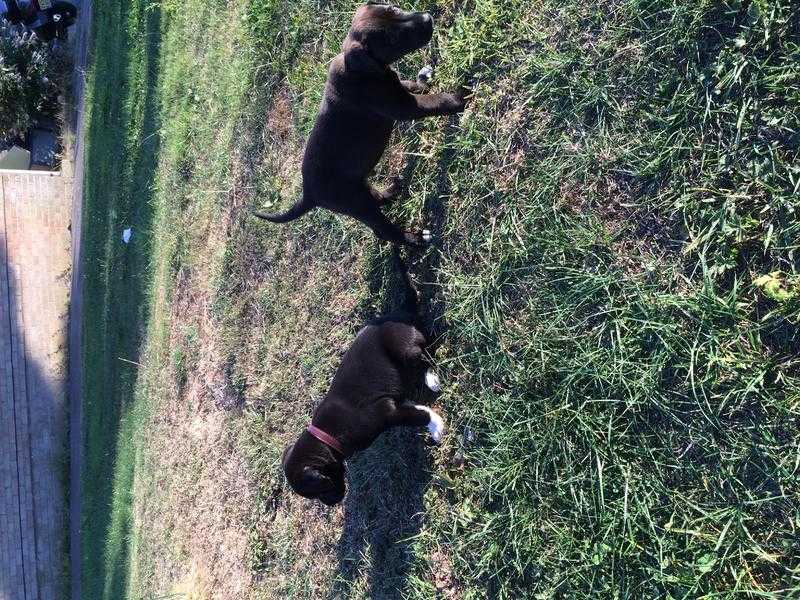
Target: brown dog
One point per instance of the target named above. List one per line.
(367, 396)
(363, 99)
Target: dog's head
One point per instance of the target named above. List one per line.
(382, 33)
(314, 475)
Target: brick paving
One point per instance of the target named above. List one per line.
(35, 260)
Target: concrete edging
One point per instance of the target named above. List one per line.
(30, 172)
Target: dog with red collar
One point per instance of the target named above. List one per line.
(367, 396)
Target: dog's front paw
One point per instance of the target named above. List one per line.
(459, 99)
(432, 381)
(418, 240)
(425, 75)
(435, 425)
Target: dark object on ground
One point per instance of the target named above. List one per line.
(363, 99)
(44, 149)
(47, 18)
(367, 397)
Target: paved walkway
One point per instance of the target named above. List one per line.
(34, 291)
(36, 257)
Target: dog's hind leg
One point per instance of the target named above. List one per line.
(384, 198)
(386, 230)
(416, 415)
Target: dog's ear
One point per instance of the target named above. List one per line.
(357, 59)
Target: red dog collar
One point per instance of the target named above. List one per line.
(326, 439)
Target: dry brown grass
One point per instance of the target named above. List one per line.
(290, 307)
(199, 490)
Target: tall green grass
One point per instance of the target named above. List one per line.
(632, 382)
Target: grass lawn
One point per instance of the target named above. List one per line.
(122, 146)
(615, 289)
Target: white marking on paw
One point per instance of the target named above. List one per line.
(425, 74)
(432, 381)
(426, 235)
(436, 424)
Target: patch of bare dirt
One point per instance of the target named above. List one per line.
(283, 152)
(509, 169)
(519, 125)
(198, 524)
(642, 238)
(194, 586)
(280, 117)
(197, 514)
(393, 162)
(442, 574)
(303, 540)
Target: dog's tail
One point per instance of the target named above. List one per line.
(411, 300)
(295, 212)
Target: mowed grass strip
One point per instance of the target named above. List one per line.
(614, 290)
(121, 149)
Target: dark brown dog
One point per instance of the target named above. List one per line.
(366, 397)
(363, 99)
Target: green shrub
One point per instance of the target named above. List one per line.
(30, 72)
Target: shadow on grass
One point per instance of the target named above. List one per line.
(383, 510)
(387, 483)
(432, 300)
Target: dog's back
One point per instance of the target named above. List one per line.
(347, 140)
(379, 360)
(375, 363)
